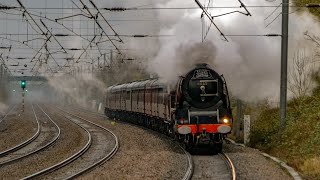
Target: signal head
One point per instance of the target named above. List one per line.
(23, 84)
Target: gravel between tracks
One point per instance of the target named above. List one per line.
(210, 167)
(142, 154)
(251, 165)
(17, 127)
(102, 143)
(71, 140)
(48, 132)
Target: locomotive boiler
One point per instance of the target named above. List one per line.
(196, 111)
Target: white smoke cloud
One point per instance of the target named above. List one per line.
(80, 89)
(251, 65)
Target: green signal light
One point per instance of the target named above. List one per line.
(23, 84)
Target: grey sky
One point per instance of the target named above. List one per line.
(244, 60)
(15, 28)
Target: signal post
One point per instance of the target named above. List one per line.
(23, 86)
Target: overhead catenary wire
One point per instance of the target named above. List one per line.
(312, 5)
(25, 11)
(58, 50)
(67, 28)
(45, 34)
(66, 35)
(82, 20)
(19, 42)
(253, 35)
(53, 36)
(116, 34)
(210, 18)
(96, 47)
(159, 8)
(94, 18)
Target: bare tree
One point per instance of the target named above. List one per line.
(315, 40)
(122, 70)
(300, 74)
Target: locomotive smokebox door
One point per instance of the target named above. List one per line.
(203, 90)
(201, 87)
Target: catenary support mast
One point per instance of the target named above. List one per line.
(284, 63)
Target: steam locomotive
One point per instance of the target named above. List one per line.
(196, 111)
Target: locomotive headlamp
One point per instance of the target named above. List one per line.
(225, 120)
(183, 121)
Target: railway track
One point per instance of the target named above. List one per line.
(189, 161)
(230, 165)
(213, 167)
(190, 165)
(11, 108)
(49, 134)
(96, 151)
(196, 169)
(26, 142)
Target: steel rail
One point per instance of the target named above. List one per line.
(230, 165)
(13, 106)
(189, 173)
(25, 143)
(41, 148)
(105, 158)
(68, 160)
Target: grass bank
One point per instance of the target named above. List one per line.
(299, 143)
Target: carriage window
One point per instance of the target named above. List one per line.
(165, 99)
(160, 96)
(154, 95)
(133, 96)
(136, 95)
(128, 95)
(139, 97)
(147, 96)
(124, 95)
(142, 95)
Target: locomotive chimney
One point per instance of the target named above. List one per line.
(202, 65)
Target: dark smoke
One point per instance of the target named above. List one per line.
(190, 54)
